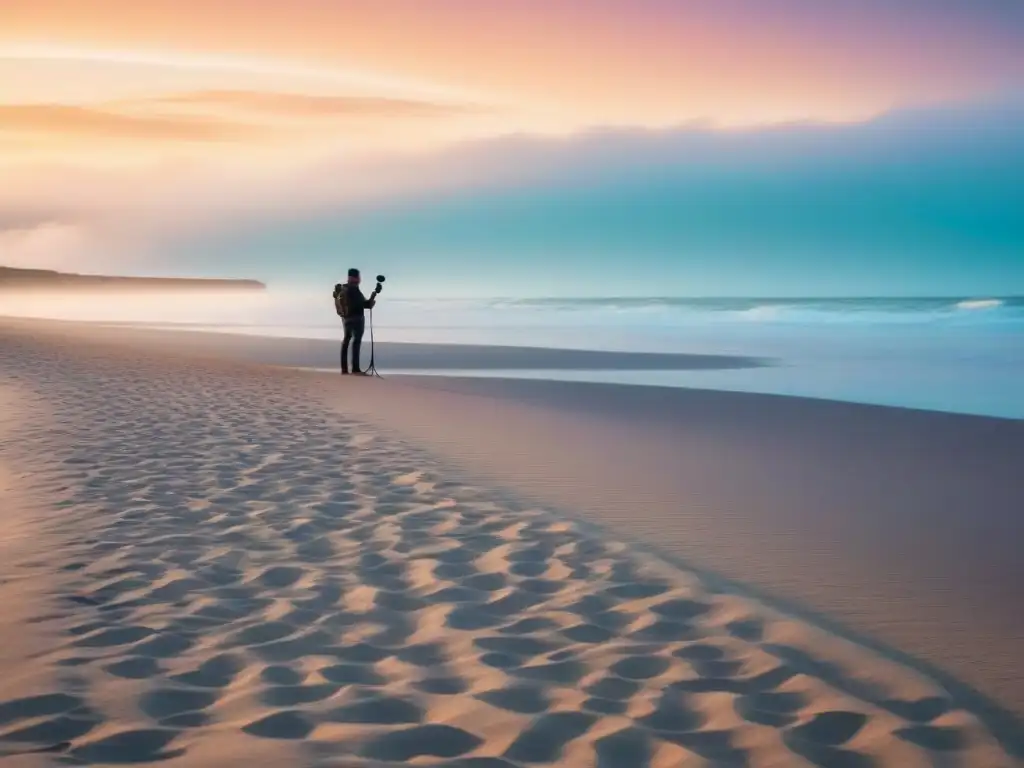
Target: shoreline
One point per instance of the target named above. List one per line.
(643, 380)
(293, 352)
(751, 375)
(801, 500)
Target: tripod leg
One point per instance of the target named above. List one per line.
(372, 368)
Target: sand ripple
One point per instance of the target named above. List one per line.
(249, 577)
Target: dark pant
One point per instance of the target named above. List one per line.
(354, 328)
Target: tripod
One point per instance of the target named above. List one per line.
(371, 369)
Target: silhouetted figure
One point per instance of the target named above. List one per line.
(351, 306)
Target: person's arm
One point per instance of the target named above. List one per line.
(357, 301)
(366, 303)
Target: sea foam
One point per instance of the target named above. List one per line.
(970, 304)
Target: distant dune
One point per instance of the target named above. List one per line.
(44, 279)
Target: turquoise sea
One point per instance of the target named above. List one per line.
(961, 354)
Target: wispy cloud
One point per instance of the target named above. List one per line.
(78, 122)
(645, 63)
(157, 65)
(142, 106)
(247, 121)
(305, 104)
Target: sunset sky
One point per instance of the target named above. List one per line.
(268, 138)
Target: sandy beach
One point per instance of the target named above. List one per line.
(211, 558)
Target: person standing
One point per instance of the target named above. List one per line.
(351, 305)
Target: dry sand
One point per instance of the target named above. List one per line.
(27, 575)
(236, 571)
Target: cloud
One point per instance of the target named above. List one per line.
(928, 195)
(114, 69)
(252, 126)
(305, 104)
(719, 176)
(78, 122)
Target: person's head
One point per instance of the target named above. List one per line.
(338, 288)
(353, 277)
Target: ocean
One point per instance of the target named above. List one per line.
(958, 354)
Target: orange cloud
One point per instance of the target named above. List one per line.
(224, 88)
(306, 105)
(216, 125)
(75, 122)
(650, 63)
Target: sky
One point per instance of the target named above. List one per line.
(698, 147)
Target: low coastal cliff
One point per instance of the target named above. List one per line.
(43, 279)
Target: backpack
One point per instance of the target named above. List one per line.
(341, 302)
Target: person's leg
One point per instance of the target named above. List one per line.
(358, 326)
(344, 347)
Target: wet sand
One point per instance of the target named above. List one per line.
(323, 353)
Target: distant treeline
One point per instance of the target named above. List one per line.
(19, 279)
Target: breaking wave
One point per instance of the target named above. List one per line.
(871, 311)
(970, 304)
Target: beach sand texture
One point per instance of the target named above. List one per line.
(238, 573)
(902, 526)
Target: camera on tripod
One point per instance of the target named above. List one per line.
(380, 284)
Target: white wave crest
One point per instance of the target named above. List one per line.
(974, 304)
(762, 313)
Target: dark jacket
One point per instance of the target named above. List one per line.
(353, 303)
